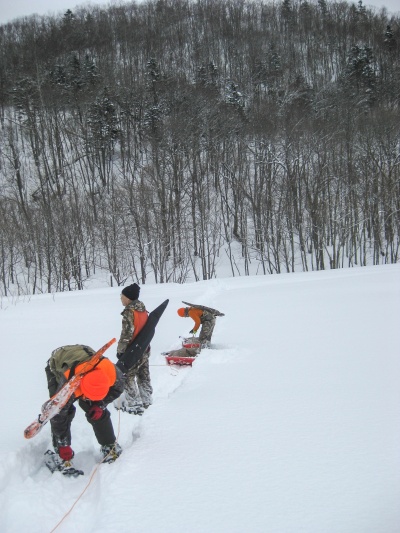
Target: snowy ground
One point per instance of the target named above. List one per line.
(289, 424)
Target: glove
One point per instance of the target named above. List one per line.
(65, 452)
(95, 412)
(193, 331)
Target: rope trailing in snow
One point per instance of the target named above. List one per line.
(91, 477)
(173, 371)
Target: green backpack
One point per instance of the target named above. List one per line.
(66, 357)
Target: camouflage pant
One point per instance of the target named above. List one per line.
(138, 389)
(207, 328)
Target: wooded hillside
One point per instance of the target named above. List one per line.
(155, 140)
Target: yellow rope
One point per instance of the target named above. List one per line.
(104, 458)
(91, 477)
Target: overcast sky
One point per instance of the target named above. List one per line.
(11, 9)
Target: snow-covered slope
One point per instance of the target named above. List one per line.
(289, 424)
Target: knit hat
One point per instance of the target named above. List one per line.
(95, 385)
(132, 291)
(182, 311)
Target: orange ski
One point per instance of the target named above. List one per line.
(54, 405)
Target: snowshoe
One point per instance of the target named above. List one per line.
(54, 463)
(111, 452)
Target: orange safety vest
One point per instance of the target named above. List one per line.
(105, 365)
(139, 320)
(195, 314)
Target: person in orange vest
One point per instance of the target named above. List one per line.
(201, 318)
(138, 389)
(98, 388)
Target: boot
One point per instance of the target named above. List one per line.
(111, 452)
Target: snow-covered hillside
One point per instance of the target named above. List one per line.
(289, 424)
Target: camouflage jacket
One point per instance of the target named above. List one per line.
(128, 326)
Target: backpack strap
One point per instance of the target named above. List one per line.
(73, 367)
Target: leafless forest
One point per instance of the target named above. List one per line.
(154, 141)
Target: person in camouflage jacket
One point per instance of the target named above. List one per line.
(202, 318)
(138, 389)
(97, 389)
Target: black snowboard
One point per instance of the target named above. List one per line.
(214, 312)
(134, 353)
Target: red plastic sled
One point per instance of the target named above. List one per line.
(191, 342)
(176, 360)
(191, 345)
